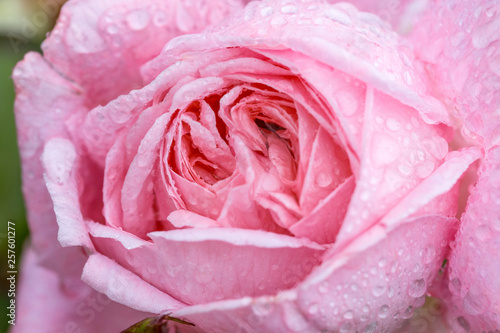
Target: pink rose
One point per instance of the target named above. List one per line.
(293, 168)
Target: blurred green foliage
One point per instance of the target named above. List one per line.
(11, 200)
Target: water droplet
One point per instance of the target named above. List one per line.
(455, 286)
(378, 290)
(417, 288)
(483, 233)
(338, 16)
(393, 124)
(463, 323)
(324, 179)
(475, 304)
(405, 169)
(160, 19)
(267, 11)
(278, 21)
(383, 312)
(428, 254)
(289, 9)
(424, 169)
(391, 292)
(348, 315)
(138, 19)
(408, 313)
(382, 262)
(112, 29)
(313, 309)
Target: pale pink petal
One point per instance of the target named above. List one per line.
(353, 42)
(464, 62)
(59, 161)
(376, 285)
(46, 305)
(103, 124)
(439, 182)
(268, 314)
(379, 279)
(203, 265)
(344, 94)
(184, 218)
(324, 222)
(328, 168)
(474, 277)
(137, 196)
(402, 14)
(102, 44)
(122, 286)
(399, 151)
(44, 101)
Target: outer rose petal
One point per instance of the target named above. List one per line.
(474, 278)
(464, 61)
(383, 274)
(343, 39)
(203, 265)
(402, 14)
(44, 102)
(101, 44)
(47, 306)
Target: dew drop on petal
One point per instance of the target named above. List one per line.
(289, 9)
(324, 179)
(383, 312)
(483, 233)
(475, 304)
(266, 11)
(338, 16)
(417, 288)
(348, 315)
(378, 290)
(393, 124)
(160, 19)
(278, 21)
(138, 19)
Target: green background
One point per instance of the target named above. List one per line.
(11, 200)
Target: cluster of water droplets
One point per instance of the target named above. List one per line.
(381, 289)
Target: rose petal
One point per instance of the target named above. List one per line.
(438, 183)
(395, 158)
(202, 265)
(45, 305)
(474, 281)
(184, 218)
(44, 101)
(378, 305)
(324, 222)
(353, 42)
(402, 14)
(380, 278)
(253, 315)
(59, 160)
(108, 277)
(102, 44)
(464, 62)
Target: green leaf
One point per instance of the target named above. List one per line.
(156, 324)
